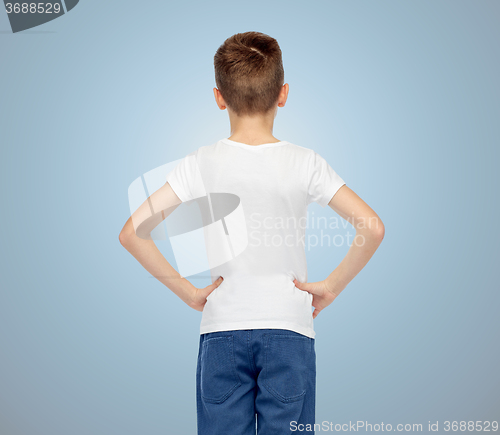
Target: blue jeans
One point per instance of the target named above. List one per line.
(255, 381)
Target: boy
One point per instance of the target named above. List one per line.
(256, 367)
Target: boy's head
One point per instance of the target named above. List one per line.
(249, 73)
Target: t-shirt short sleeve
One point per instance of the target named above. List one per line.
(185, 179)
(323, 182)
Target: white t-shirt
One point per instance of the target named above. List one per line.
(275, 183)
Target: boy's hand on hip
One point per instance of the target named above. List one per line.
(322, 296)
(199, 297)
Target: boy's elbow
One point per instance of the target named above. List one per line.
(127, 232)
(123, 237)
(379, 231)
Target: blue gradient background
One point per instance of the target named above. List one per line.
(401, 98)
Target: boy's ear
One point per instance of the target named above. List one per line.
(219, 100)
(283, 95)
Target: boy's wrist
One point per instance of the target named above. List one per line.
(184, 289)
(331, 285)
(189, 289)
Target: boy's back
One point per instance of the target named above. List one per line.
(275, 183)
(256, 365)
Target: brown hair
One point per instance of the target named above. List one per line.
(249, 72)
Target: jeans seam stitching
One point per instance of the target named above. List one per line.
(250, 354)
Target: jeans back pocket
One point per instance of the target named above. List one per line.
(289, 363)
(218, 372)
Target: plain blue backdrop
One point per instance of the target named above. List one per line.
(401, 98)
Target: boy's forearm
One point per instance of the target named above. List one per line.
(356, 258)
(150, 257)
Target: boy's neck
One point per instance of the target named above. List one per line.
(255, 130)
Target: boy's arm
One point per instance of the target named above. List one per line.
(135, 238)
(369, 234)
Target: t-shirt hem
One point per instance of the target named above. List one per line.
(177, 189)
(258, 324)
(330, 194)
